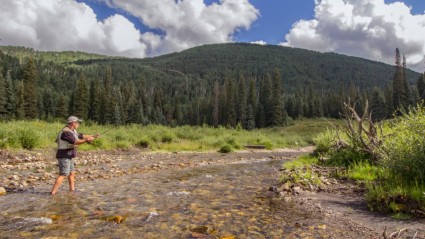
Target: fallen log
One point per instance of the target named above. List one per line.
(255, 146)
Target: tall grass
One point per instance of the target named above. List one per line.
(41, 135)
(397, 183)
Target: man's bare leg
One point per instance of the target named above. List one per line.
(57, 184)
(71, 181)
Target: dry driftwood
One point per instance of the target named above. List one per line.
(362, 131)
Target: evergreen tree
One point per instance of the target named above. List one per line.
(61, 108)
(231, 103)
(266, 101)
(222, 111)
(389, 101)
(242, 98)
(47, 101)
(117, 101)
(95, 98)
(420, 84)
(377, 106)
(3, 96)
(107, 109)
(216, 104)
(249, 121)
(20, 100)
(10, 95)
(30, 90)
(278, 109)
(82, 98)
(406, 91)
(398, 84)
(309, 112)
(252, 95)
(299, 104)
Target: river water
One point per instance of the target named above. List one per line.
(210, 201)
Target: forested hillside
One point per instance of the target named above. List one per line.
(222, 84)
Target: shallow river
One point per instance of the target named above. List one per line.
(211, 201)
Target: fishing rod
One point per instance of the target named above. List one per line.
(106, 131)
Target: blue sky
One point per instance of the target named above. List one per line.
(370, 29)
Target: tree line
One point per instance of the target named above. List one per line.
(38, 90)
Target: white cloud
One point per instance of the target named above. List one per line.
(364, 28)
(69, 25)
(261, 42)
(189, 23)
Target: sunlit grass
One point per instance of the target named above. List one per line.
(41, 135)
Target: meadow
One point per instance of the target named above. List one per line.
(36, 134)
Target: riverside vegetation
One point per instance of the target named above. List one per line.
(35, 134)
(394, 182)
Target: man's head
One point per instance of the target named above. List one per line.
(74, 121)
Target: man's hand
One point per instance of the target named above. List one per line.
(89, 139)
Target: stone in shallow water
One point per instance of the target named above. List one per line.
(2, 191)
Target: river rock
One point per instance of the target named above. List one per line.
(2, 191)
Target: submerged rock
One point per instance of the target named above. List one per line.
(2, 191)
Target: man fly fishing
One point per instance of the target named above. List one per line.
(68, 140)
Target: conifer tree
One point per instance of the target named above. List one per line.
(406, 91)
(242, 98)
(420, 84)
(216, 104)
(30, 90)
(10, 95)
(20, 100)
(266, 101)
(107, 108)
(117, 101)
(249, 121)
(3, 96)
(47, 101)
(231, 103)
(299, 104)
(278, 114)
(95, 98)
(81, 98)
(377, 106)
(61, 108)
(252, 95)
(388, 94)
(398, 84)
(222, 111)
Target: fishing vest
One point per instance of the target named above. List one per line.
(62, 144)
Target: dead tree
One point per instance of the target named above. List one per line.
(362, 132)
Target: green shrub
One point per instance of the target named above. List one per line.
(346, 157)
(142, 143)
(226, 149)
(167, 137)
(28, 138)
(406, 146)
(324, 141)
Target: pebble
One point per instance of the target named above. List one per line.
(2, 191)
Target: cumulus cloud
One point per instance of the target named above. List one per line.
(70, 25)
(365, 28)
(189, 23)
(67, 25)
(259, 42)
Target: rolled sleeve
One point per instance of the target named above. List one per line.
(68, 137)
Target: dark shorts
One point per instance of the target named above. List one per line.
(66, 166)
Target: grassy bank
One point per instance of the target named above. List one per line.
(396, 180)
(17, 135)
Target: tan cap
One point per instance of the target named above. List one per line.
(74, 119)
